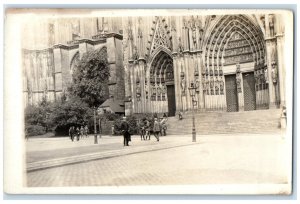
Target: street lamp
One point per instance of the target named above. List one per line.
(192, 90)
(95, 127)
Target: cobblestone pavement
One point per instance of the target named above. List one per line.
(238, 159)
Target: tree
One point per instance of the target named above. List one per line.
(90, 78)
(36, 117)
(73, 111)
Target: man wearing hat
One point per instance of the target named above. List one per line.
(125, 131)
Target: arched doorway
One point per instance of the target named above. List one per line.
(162, 81)
(235, 56)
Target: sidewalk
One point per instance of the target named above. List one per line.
(52, 152)
(175, 160)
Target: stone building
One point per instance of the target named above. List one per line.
(50, 56)
(235, 62)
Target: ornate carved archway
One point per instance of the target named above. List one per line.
(161, 73)
(224, 32)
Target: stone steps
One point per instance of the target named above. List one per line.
(260, 121)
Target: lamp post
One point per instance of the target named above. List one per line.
(192, 90)
(95, 127)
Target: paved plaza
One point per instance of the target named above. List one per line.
(213, 159)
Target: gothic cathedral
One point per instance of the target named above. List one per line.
(233, 62)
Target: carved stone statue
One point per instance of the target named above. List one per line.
(197, 84)
(204, 86)
(138, 92)
(217, 87)
(207, 87)
(180, 47)
(221, 87)
(135, 53)
(194, 37)
(183, 85)
(271, 25)
(212, 88)
(153, 90)
(266, 75)
(274, 72)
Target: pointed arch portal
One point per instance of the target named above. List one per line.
(162, 80)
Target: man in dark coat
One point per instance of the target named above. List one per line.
(125, 131)
(72, 133)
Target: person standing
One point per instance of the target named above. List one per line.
(164, 127)
(86, 131)
(81, 132)
(71, 133)
(147, 129)
(156, 129)
(125, 131)
(77, 132)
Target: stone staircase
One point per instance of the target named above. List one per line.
(258, 121)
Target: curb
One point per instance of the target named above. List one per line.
(40, 165)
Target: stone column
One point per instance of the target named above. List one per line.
(281, 69)
(270, 49)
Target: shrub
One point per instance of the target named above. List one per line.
(33, 130)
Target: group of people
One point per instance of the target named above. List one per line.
(78, 132)
(159, 127)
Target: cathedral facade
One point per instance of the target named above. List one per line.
(233, 62)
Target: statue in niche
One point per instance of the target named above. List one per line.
(153, 89)
(183, 85)
(194, 36)
(135, 54)
(197, 84)
(159, 92)
(170, 44)
(216, 71)
(204, 86)
(180, 47)
(207, 87)
(221, 87)
(220, 72)
(274, 72)
(159, 89)
(163, 91)
(211, 88)
(217, 87)
(138, 92)
(271, 25)
(130, 35)
(211, 72)
(266, 75)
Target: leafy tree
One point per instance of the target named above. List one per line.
(73, 111)
(38, 114)
(90, 78)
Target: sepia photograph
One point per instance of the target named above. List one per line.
(148, 101)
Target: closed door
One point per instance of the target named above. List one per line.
(231, 93)
(171, 100)
(249, 91)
